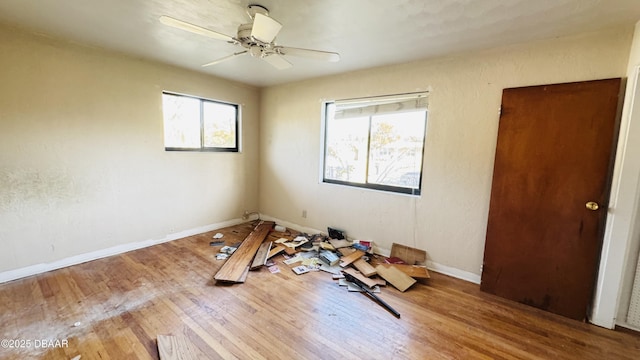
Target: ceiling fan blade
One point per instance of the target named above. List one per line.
(277, 61)
(265, 28)
(183, 25)
(308, 53)
(225, 58)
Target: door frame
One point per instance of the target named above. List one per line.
(623, 217)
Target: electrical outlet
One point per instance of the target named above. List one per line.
(304, 214)
(245, 216)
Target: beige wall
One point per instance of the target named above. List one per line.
(449, 218)
(83, 162)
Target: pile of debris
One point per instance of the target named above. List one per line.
(352, 263)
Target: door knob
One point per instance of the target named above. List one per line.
(592, 205)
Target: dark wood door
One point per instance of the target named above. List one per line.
(554, 154)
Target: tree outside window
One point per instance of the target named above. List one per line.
(195, 124)
(376, 143)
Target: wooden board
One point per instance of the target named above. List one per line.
(415, 271)
(244, 275)
(395, 277)
(356, 274)
(234, 267)
(275, 251)
(364, 267)
(261, 255)
(177, 348)
(410, 255)
(346, 251)
(346, 260)
(379, 281)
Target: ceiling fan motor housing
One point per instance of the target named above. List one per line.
(244, 33)
(249, 42)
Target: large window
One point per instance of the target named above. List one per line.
(194, 124)
(376, 143)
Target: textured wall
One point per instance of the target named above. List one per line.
(83, 165)
(449, 218)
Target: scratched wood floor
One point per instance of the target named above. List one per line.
(123, 302)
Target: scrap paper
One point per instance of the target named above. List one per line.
(300, 269)
(228, 250)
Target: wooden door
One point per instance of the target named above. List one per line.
(554, 155)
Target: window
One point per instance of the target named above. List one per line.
(194, 124)
(376, 143)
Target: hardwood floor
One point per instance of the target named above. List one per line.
(114, 308)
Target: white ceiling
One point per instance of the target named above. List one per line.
(366, 33)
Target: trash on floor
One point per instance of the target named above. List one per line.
(352, 262)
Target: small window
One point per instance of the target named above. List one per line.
(376, 143)
(194, 124)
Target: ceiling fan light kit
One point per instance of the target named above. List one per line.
(257, 37)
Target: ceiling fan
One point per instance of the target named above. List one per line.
(257, 37)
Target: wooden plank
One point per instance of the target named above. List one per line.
(346, 260)
(395, 277)
(275, 251)
(379, 281)
(346, 251)
(410, 255)
(261, 255)
(364, 267)
(177, 348)
(415, 271)
(365, 280)
(244, 275)
(234, 267)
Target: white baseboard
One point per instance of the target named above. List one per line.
(119, 249)
(453, 272)
(115, 250)
(626, 325)
(433, 266)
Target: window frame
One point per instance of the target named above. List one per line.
(202, 147)
(367, 185)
